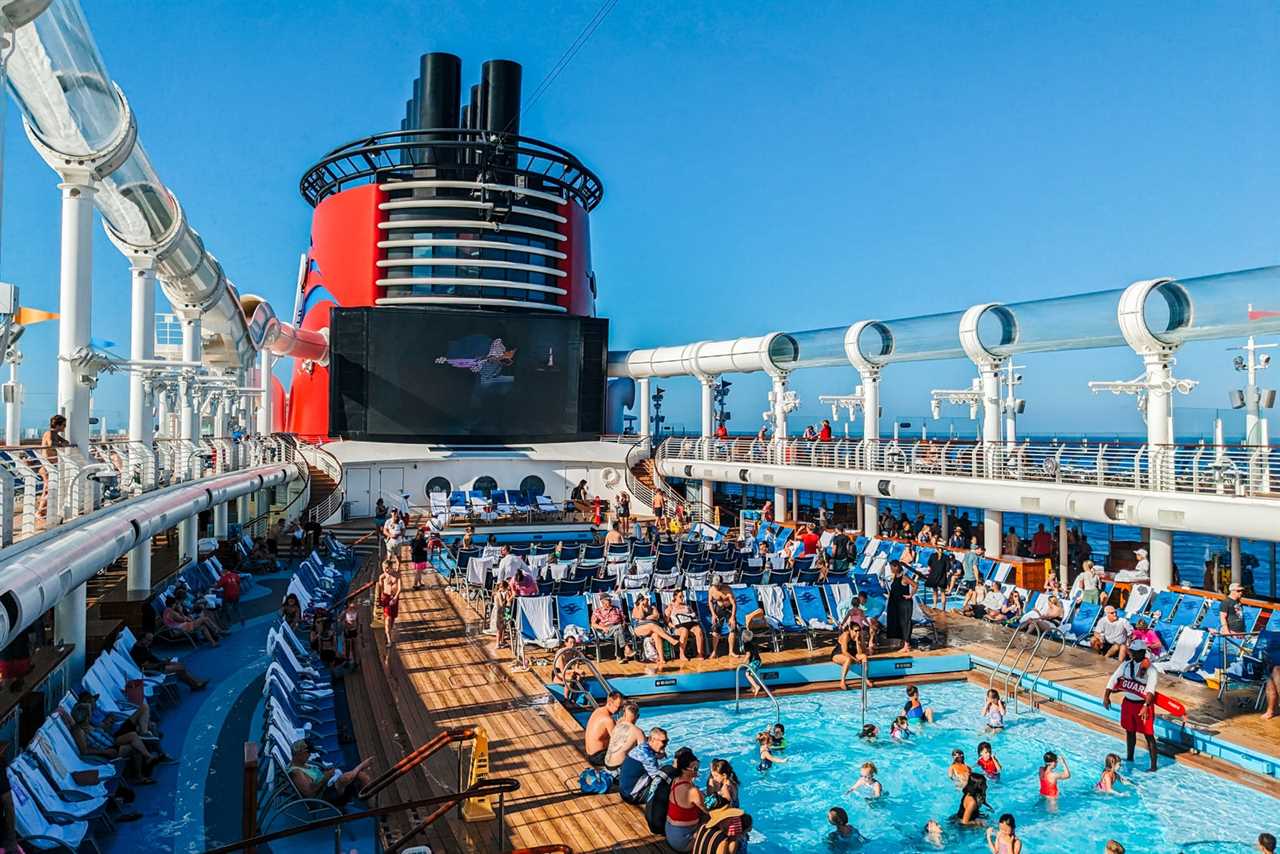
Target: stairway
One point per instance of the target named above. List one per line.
(322, 486)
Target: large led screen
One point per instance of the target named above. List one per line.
(481, 377)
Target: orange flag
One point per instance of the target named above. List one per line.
(27, 316)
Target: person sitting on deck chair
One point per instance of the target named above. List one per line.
(1111, 635)
(175, 618)
(148, 662)
(332, 785)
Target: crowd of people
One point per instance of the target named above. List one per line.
(707, 816)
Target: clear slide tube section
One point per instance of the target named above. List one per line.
(60, 82)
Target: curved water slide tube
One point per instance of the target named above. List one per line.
(76, 116)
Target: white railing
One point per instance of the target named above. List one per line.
(1239, 470)
(641, 450)
(329, 464)
(42, 487)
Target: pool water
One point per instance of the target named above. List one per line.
(1176, 809)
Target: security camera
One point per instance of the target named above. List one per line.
(1238, 362)
(1264, 360)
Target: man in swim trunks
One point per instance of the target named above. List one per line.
(600, 729)
(1137, 710)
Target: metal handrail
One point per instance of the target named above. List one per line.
(1241, 470)
(500, 786)
(737, 689)
(421, 754)
(576, 656)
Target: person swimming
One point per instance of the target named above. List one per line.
(958, 772)
(767, 757)
(914, 709)
(900, 731)
(993, 711)
(845, 835)
(1050, 776)
(778, 737)
(972, 799)
(867, 780)
(933, 833)
(987, 761)
(869, 732)
(1110, 775)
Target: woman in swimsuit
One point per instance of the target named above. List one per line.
(1050, 776)
(972, 800)
(987, 761)
(645, 625)
(685, 808)
(851, 636)
(767, 757)
(1004, 840)
(682, 619)
(914, 710)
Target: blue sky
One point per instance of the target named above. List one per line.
(767, 166)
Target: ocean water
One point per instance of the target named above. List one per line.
(1176, 809)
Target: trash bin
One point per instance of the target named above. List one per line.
(346, 509)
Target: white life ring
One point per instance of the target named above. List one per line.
(611, 477)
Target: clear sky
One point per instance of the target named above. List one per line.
(767, 166)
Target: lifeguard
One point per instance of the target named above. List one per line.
(1137, 710)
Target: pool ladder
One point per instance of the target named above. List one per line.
(579, 656)
(737, 693)
(1024, 659)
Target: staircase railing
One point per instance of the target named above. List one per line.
(695, 511)
(329, 464)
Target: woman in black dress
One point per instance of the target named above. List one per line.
(902, 591)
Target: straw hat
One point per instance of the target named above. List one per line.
(723, 814)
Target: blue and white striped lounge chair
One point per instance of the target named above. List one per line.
(535, 619)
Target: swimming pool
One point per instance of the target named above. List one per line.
(1176, 809)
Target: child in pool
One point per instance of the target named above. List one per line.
(767, 757)
(778, 737)
(933, 833)
(867, 781)
(958, 772)
(900, 731)
(914, 709)
(987, 761)
(845, 835)
(869, 732)
(1050, 776)
(993, 711)
(1110, 775)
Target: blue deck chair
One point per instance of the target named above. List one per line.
(576, 611)
(811, 610)
(747, 602)
(751, 577)
(1082, 622)
(780, 614)
(839, 598)
(642, 550)
(1163, 603)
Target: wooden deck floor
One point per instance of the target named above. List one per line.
(442, 673)
(440, 678)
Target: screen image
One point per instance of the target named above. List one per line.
(410, 374)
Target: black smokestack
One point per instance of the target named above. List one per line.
(441, 76)
(415, 104)
(500, 86)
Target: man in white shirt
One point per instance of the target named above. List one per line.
(1111, 635)
(1137, 711)
(510, 564)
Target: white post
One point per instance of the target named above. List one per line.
(1159, 437)
(990, 380)
(142, 335)
(265, 360)
(780, 440)
(1237, 568)
(642, 419)
(220, 431)
(1063, 550)
(13, 402)
(69, 628)
(75, 303)
(707, 385)
(870, 378)
(992, 535)
(189, 426)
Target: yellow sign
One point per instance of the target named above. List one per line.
(481, 808)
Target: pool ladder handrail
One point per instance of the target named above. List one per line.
(1017, 669)
(865, 701)
(737, 693)
(577, 656)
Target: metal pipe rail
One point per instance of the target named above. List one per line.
(777, 710)
(500, 786)
(1200, 469)
(577, 656)
(417, 757)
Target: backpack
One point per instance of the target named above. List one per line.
(593, 781)
(655, 809)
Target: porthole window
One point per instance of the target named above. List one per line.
(533, 486)
(485, 485)
(439, 484)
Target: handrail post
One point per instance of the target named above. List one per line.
(249, 805)
(502, 821)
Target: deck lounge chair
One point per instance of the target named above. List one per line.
(535, 617)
